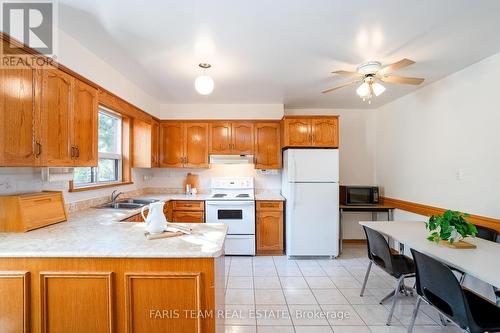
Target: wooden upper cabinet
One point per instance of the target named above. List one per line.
(324, 132)
(242, 137)
(85, 123)
(196, 145)
(19, 145)
(142, 139)
(220, 138)
(56, 111)
(267, 146)
(171, 144)
(297, 132)
(155, 144)
(315, 131)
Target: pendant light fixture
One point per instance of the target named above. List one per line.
(204, 84)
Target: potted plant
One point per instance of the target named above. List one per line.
(450, 227)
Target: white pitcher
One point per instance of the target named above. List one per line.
(155, 222)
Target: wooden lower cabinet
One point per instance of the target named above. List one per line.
(269, 227)
(187, 211)
(82, 295)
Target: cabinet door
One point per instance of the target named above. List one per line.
(85, 122)
(269, 232)
(196, 145)
(18, 117)
(171, 145)
(297, 132)
(56, 111)
(188, 216)
(267, 146)
(325, 132)
(242, 137)
(220, 138)
(142, 144)
(155, 144)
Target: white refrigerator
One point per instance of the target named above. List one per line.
(310, 184)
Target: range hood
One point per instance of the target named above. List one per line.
(231, 159)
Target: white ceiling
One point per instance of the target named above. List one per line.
(280, 51)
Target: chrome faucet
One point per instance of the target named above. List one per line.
(114, 197)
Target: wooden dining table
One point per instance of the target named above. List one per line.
(482, 262)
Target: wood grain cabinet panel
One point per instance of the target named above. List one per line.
(18, 117)
(220, 138)
(14, 308)
(267, 146)
(171, 144)
(142, 139)
(56, 119)
(85, 122)
(76, 302)
(242, 138)
(188, 216)
(269, 228)
(196, 145)
(324, 132)
(297, 132)
(149, 295)
(155, 144)
(314, 131)
(188, 205)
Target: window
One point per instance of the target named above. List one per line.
(109, 168)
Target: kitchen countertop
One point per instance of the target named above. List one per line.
(97, 232)
(269, 196)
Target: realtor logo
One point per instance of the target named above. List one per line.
(30, 23)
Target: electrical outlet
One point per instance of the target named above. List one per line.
(267, 172)
(460, 174)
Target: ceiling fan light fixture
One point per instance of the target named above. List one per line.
(378, 89)
(204, 84)
(363, 90)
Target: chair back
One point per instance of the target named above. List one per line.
(437, 284)
(378, 249)
(486, 233)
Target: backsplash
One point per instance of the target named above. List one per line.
(27, 180)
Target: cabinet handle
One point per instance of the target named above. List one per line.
(38, 149)
(77, 152)
(72, 151)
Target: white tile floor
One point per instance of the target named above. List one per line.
(274, 294)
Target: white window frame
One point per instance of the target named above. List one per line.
(104, 155)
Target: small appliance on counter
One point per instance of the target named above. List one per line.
(359, 195)
(232, 202)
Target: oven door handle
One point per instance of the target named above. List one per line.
(230, 203)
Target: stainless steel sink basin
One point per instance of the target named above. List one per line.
(137, 201)
(128, 203)
(122, 205)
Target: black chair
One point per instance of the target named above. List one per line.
(397, 265)
(437, 285)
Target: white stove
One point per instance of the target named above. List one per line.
(232, 201)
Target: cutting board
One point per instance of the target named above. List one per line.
(193, 180)
(165, 234)
(457, 245)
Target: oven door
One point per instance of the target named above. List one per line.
(238, 215)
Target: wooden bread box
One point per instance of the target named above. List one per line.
(25, 212)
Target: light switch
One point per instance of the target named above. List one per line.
(460, 174)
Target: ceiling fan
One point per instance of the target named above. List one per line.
(370, 72)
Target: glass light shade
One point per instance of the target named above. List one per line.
(363, 90)
(204, 85)
(378, 89)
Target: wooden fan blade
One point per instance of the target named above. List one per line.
(402, 80)
(395, 66)
(340, 86)
(347, 73)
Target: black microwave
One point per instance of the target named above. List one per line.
(359, 195)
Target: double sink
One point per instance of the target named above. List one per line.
(128, 203)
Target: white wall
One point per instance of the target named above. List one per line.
(357, 155)
(75, 56)
(221, 111)
(173, 178)
(441, 144)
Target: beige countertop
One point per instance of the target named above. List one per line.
(269, 196)
(97, 232)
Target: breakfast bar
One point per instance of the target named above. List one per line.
(96, 274)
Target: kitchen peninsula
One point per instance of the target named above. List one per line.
(96, 274)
